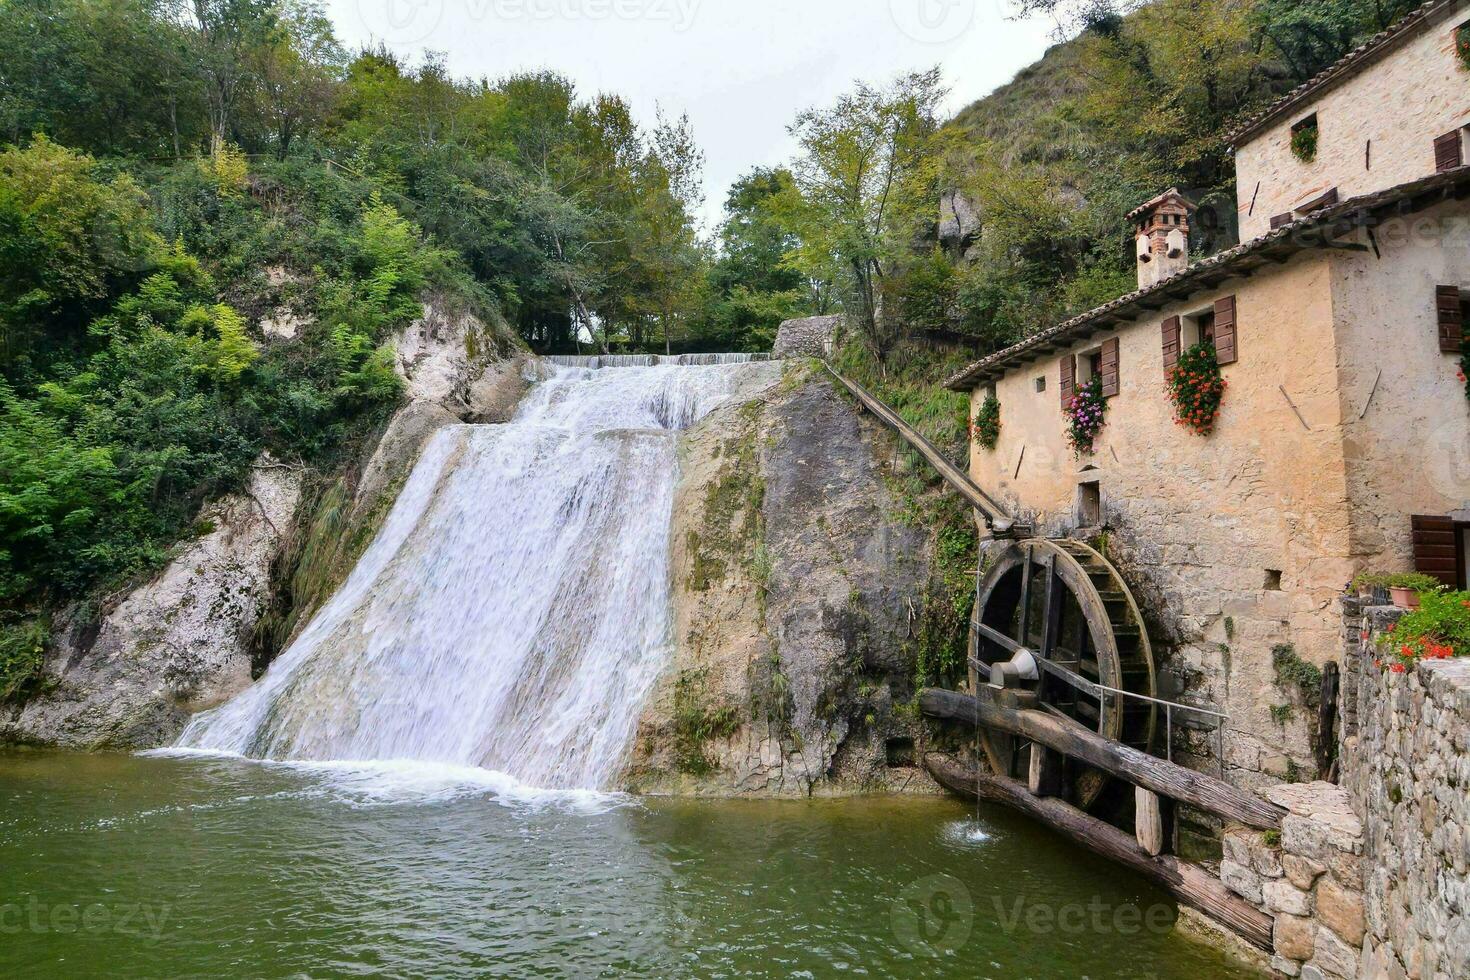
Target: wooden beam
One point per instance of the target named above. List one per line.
(1190, 884)
(1139, 768)
(996, 515)
(1044, 777)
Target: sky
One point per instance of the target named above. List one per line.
(741, 69)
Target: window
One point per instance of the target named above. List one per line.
(1304, 139)
(1089, 504)
(1041, 384)
(1089, 365)
(1198, 329)
(1452, 318)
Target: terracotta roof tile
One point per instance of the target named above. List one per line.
(1308, 232)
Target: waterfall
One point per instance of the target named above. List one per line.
(513, 612)
(652, 360)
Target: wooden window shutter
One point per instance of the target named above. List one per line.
(1447, 152)
(1451, 319)
(1434, 549)
(1172, 334)
(1227, 344)
(1069, 380)
(1279, 220)
(1110, 367)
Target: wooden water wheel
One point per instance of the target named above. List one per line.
(1054, 620)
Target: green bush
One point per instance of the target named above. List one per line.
(22, 654)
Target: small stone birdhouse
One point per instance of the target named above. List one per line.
(1161, 228)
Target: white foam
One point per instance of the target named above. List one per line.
(395, 782)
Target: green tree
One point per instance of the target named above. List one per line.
(866, 182)
(70, 242)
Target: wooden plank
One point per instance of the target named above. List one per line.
(1045, 775)
(1151, 821)
(1139, 768)
(1190, 884)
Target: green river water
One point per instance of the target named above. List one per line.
(159, 867)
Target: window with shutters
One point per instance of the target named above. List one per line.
(1449, 151)
(1214, 324)
(1439, 548)
(1452, 318)
(1101, 363)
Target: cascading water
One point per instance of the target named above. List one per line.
(513, 612)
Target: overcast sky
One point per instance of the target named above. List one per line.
(741, 69)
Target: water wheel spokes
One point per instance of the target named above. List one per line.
(1062, 606)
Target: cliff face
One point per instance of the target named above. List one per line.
(177, 645)
(193, 636)
(795, 589)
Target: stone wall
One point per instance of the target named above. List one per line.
(1406, 766)
(809, 337)
(1376, 129)
(1371, 878)
(1309, 878)
(1236, 544)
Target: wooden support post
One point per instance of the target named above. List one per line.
(1189, 883)
(1153, 821)
(1076, 742)
(1046, 772)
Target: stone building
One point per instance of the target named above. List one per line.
(1342, 444)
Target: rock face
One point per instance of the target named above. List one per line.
(812, 336)
(794, 584)
(177, 645)
(186, 641)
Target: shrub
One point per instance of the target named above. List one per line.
(22, 653)
(1304, 143)
(1196, 388)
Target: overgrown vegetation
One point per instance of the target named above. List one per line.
(697, 722)
(1294, 673)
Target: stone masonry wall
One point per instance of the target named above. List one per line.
(1371, 878)
(1406, 767)
(1376, 129)
(1309, 878)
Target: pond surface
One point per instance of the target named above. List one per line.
(200, 866)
